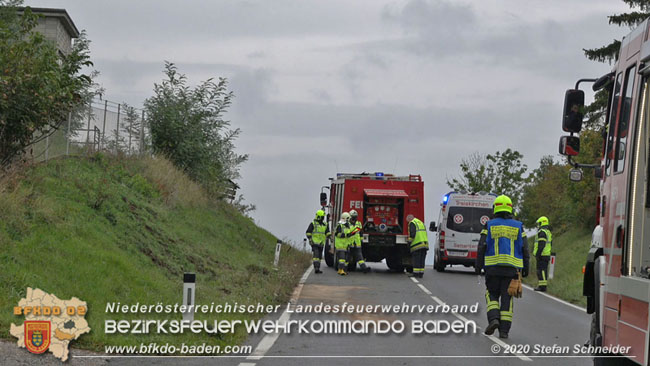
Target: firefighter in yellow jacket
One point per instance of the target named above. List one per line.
(317, 233)
(355, 252)
(342, 239)
(542, 252)
(419, 245)
(503, 253)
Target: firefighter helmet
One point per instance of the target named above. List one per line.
(542, 221)
(345, 216)
(320, 213)
(353, 213)
(503, 203)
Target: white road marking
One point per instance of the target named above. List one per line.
(462, 318)
(556, 299)
(246, 364)
(268, 340)
(426, 290)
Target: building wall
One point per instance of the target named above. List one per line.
(53, 30)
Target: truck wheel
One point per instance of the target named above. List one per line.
(409, 269)
(329, 257)
(440, 266)
(394, 262)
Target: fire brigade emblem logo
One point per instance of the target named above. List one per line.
(484, 220)
(458, 219)
(37, 335)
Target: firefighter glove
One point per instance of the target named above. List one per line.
(515, 289)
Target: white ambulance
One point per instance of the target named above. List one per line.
(461, 219)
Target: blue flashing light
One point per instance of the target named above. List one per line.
(445, 199)
(379, 174)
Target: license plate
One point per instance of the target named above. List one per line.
(457, 254)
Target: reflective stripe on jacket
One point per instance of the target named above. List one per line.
(340, 241)
(545, 240)
(318, 236)
(420, 240)
(504, 244)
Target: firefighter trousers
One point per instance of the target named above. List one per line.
(499, 303)
(418, 258)
(341, 259)
(317, 254)
(356, 256)
(542, 272)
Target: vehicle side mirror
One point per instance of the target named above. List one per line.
(575, 175)
(569, 145)
(432, 226)
(574, 103)
(604, 81)
(323, 199)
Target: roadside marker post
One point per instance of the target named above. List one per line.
(189, 289)
(278, 247)
(551, 267)
(304, 244)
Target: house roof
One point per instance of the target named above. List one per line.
(62, 14)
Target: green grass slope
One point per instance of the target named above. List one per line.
(124, 230)
(571, 250)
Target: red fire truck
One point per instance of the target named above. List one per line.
(385, 203)
(617, 272)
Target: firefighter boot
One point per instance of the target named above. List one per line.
(364, 267)
(503, 334)
(494, 324)
(317, 267)
(540, 288)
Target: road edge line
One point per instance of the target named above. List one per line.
(268, 340)
(555, 298)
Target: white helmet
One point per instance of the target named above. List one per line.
(353, 213)
(345, 216)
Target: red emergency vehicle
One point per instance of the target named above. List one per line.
(617, 272)
(386, 204)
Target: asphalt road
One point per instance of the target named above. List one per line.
(538, 320)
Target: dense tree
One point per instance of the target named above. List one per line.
(187, 126)
(640, 10)
(550, 192)
(39, 87)
(501, 173)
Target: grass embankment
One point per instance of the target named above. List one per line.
(571, 249)
(124, 230)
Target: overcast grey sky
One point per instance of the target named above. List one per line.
(325, 86)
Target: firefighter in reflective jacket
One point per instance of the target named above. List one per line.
(542, 252)
(342, 239)
(355, 252)
(419, 246)
(503, 253)
(317, 233)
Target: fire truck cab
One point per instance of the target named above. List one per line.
(386, 204)
(617, 273)
(461, 219)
